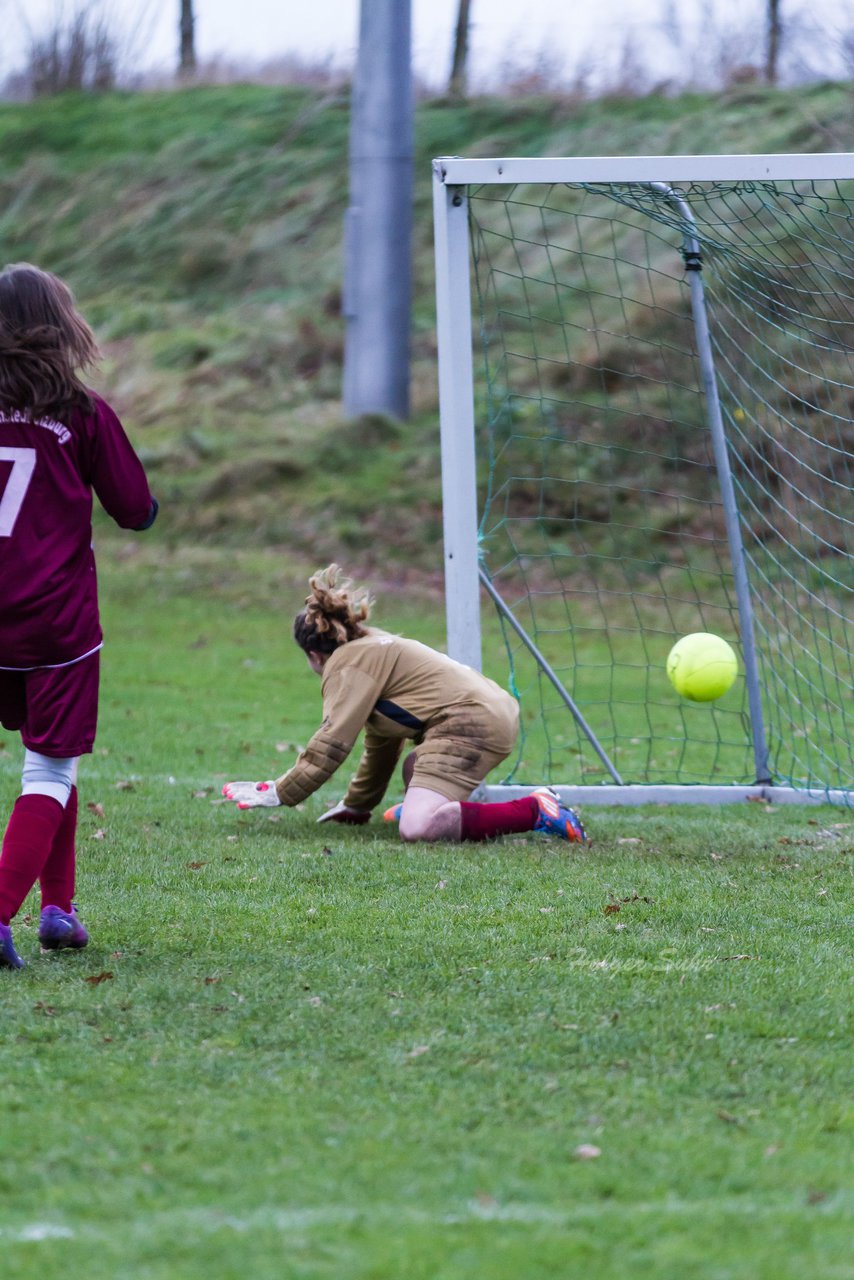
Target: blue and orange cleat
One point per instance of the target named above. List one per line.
(59, 929)
(557, 819)
(393, 814)
(9, 958)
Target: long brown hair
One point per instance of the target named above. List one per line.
(334, 613)
(44, 341)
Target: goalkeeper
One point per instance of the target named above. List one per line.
(400, 691)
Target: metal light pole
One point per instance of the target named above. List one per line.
(378, 229)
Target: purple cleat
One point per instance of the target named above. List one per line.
(557, 819)
(9, 958)
(59, 929)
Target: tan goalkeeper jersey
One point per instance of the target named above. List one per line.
(397, 690)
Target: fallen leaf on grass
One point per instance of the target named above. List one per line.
(586, 1151)
(418, 1050)
(95, 978)
(97, 809)
(727, 1117)
(815, 1196)
(194, 866)
(47, 1009)
(99, 834)
(629, 840)
(124, 785)
(210, 981)
(200, 795)
(614, 906)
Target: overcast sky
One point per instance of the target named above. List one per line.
(568, 32)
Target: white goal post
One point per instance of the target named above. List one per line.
(646, 383)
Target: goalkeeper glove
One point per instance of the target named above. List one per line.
(343, 813)
(251, 795)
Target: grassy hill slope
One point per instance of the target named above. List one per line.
(201, 231)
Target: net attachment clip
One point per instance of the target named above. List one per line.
(693, 259)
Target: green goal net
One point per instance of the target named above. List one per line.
(604, 531)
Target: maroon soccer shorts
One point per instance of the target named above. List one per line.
(55, 708)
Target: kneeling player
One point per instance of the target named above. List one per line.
(398, 690)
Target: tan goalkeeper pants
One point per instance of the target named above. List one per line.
(457, 753)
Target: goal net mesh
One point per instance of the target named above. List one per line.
(601, 519)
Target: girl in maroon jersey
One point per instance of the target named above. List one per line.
(58, 442)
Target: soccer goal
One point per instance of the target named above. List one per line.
(646, 395)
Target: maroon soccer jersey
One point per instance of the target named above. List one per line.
(48, 590)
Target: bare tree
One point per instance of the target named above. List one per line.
(80, 53)
(459, 61)
(187, 51)
(773, 40)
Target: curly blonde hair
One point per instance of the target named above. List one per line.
(334, 613)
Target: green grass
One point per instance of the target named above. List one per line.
(201, 230)
(317, 1053)
(321, 1054)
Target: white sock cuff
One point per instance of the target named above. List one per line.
(47, 776)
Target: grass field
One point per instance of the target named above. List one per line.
(291, 1051)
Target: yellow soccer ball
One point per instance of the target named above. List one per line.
(702, 667)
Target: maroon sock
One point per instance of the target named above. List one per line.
(483, 821)
(57, 877)
(27, 844)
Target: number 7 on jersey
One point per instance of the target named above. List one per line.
(23, 465)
